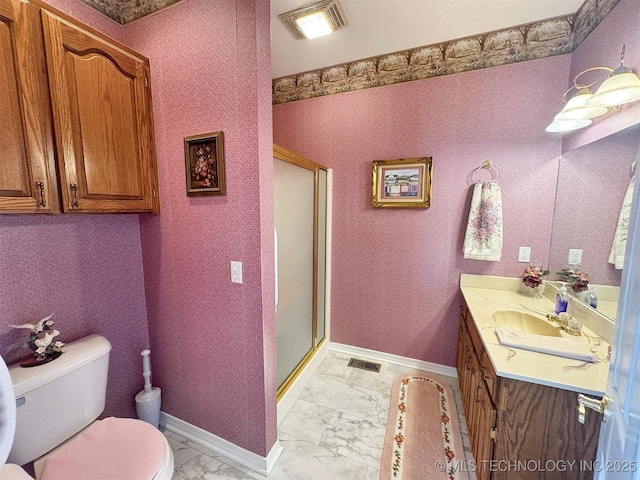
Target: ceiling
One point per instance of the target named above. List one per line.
(376, 27)
(383, 26)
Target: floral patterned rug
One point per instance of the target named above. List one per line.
(423, 438)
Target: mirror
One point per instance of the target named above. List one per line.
(592, 182)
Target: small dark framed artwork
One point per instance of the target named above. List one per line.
(204, 160)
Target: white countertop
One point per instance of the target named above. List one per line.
(485, 294)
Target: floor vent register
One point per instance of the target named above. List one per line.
(371, 366)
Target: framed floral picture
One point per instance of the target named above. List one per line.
(204, 160)
(402, 183)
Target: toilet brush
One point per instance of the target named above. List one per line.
(148, 400)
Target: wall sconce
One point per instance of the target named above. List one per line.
(621, 86)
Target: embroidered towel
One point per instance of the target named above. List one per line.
(483, 240)
(561, 346)
(620, 237)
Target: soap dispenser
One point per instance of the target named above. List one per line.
(590, 298)
(562, 300)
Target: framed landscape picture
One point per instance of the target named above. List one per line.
(204, 160)
(402, 183)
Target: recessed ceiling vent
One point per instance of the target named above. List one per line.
(328, 10)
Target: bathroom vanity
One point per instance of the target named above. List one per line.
(522, 406)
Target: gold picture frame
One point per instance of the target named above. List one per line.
(204, 161)
(402, 183)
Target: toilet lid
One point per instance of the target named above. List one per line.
(113, 448)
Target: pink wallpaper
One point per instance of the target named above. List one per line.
(214, 340)
(587, 211)
(602, 47)
(396, 272)
(87, 269)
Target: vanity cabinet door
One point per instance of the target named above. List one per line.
(480, 411)
(101, 105)
(465, 371)
(27, 169)
(484, 425)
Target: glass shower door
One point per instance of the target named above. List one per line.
(294, 202)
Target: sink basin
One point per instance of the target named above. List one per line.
(524, 322)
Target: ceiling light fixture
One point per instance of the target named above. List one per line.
(315, 20)
(621, 87)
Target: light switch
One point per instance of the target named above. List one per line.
(236, 272)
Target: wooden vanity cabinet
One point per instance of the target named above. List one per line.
(27, 167)
(87, 95)
(520, 429)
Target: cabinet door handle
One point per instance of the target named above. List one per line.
(43, 202)
(75, 203)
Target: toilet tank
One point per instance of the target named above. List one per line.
(58, 399)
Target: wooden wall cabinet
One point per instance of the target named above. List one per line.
(513, 421)
(27, 166)
(93, 102)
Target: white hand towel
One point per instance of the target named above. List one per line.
(483, 239)
(560, 346)
(622, 229)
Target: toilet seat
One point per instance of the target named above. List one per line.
(122, 448)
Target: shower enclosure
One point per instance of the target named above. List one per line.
(300, 203)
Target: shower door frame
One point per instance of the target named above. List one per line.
(288, 156)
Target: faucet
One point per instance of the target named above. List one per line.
(567, 322)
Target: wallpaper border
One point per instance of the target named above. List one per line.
(519, 43)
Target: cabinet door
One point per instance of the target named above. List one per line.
(479, 409)
(103, 123)
(485, 422)
(467, 380)
(27, 169)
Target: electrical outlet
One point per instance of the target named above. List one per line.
(524, 256)
(236, 272)
(575, 256)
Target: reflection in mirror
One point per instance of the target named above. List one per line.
(592, 182)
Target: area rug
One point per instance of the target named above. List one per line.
(423, 438)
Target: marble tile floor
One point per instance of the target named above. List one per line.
(334, 430)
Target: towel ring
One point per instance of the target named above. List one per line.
(489, 165)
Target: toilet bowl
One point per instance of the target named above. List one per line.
(56, 426)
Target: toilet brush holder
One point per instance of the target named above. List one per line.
(148, 406)
(148, 400)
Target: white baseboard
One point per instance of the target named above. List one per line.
(290, 396)
(255, 462)
(397, 359)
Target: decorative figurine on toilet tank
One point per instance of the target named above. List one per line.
(41, 342)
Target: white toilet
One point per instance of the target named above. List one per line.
(56, 427)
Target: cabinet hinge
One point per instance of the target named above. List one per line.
(494, 433)
(154, 193)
